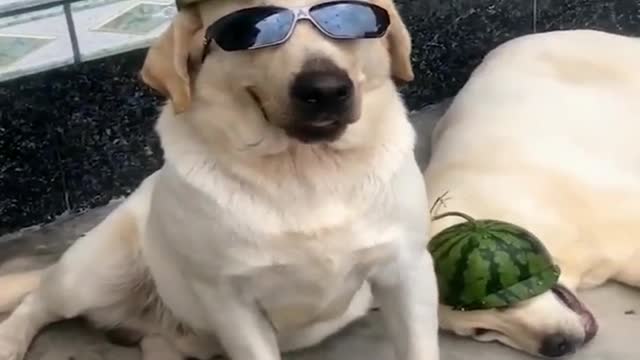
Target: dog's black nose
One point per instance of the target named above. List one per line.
(326, 92)
(557, 345)
(324, 102)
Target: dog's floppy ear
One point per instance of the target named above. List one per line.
(166, 67)
(399, 45)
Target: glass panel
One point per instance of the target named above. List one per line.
(33, 42)
(116, 26)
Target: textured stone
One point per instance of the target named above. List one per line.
(619, 16)
(74, 138)
(450, 39)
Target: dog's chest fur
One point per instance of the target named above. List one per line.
(296, 277)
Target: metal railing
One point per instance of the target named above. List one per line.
(66, 5)
(71, 18)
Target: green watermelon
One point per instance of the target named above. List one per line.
(488, 264)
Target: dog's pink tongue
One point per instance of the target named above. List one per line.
(571, 300)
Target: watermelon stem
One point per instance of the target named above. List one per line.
(454, 213)
(440, 201)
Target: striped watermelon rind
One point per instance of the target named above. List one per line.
(526, 289)
(486, 264)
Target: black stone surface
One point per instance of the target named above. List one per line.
(74, 138)
(619, 16)
(450, 39)
(79, 136)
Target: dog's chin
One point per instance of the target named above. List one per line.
(327, 132)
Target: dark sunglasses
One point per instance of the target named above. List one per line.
(263, 26)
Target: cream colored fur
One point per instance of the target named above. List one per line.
(246, 241)
(545, 135)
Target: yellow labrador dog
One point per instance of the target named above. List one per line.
(545, 135)
(289, 200)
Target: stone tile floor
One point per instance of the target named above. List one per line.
(617, 307)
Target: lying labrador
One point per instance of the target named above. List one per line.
(545, 134)
(289, 200)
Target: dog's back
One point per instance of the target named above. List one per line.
(544, 134)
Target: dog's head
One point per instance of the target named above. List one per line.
(305, 84)
(551, 325)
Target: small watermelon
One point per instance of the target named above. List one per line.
(488, 264)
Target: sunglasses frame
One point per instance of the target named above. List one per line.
(302, 13)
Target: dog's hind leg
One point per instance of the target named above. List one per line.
(17, 331)
(95, 273)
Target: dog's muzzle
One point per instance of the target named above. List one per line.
(323, 104)
(559, 345)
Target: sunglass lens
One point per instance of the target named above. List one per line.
(351, 20)
(251, 28)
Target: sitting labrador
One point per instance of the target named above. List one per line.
(289, 200)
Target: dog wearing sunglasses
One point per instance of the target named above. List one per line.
(289, 202)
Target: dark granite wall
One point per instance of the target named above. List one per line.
(76, 137)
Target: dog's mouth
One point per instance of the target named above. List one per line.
(320, 131)
(258, 102)
(568, 299)
(485, 335)
(571, 301)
